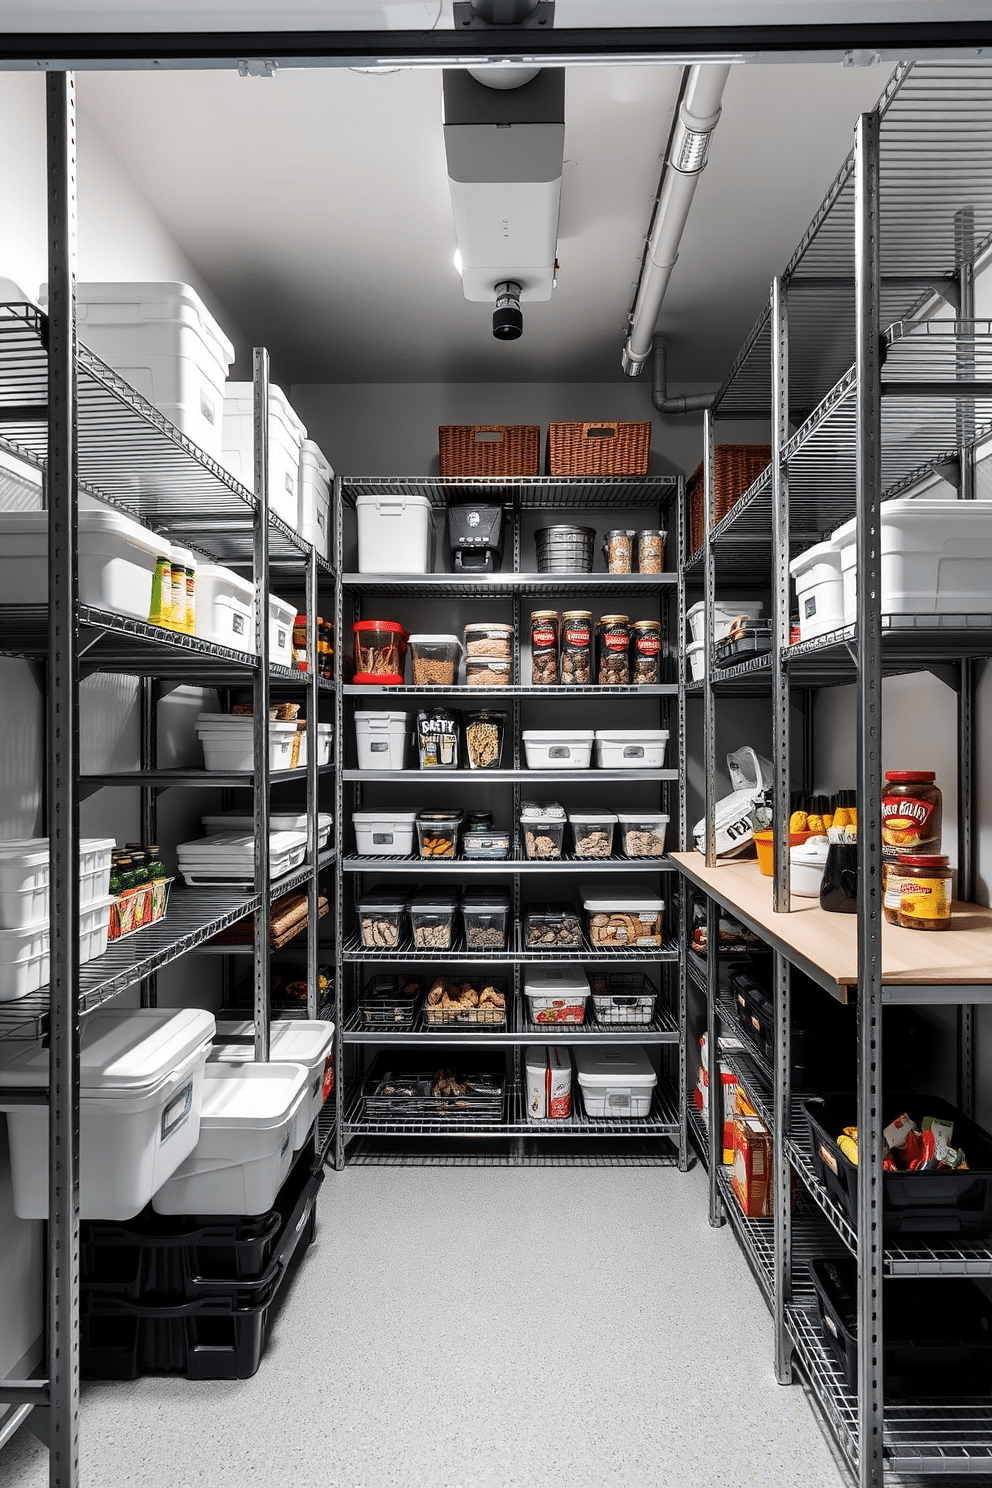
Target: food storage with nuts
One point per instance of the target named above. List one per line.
(437, 739)
(486, 917)
(484, 735)
(542, 824)
(488, 671)
(544, 648)
(622, 916)
(434, 660)
(592, 833)
(381, 913)
(613, 651)
(438, 833)
(576, 648)
(380, 652)
(489, 638)
(552, 926)
(432, 920)
(642, 833)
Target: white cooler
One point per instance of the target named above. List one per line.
(381, 739)
(314, 523)
(163, 340)
(286, 436)
(225, 604)
(936, 558)
(558, 749)
(615, 1080)
(395, 533)
(116, 560)
(245, 1149)
(819, 585)
(141, 1079)
(631, 749)
(384, 834)
(305, 1041)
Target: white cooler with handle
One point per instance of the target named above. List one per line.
(141, 1081)
(116, 560)
(305, 1041)
(245, 1149)
(395, 533)
(936, 558)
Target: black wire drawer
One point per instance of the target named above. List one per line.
(465, 1094)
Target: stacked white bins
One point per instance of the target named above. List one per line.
(141, 1081)
(305, 1041)
(162, 339)
(281, 617)
(24, 910)
(286, 436)
(225, 605)
(395, 533)
(616, 1080)
(819, 585)
(725, 612)
(116, 560)
(245, 1149)
(227, 742)
(316, 475)
(936, 558)
(381, 740)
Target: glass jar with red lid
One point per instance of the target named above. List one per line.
(912, 813)
(380, 652)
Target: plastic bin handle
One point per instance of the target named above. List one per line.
(390, 508)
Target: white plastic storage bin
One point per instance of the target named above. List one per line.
(245, 1149)
(281, 617)
(229, 857)
(696, 656)
(616, 1080)
(94, 868)
(116, 560)
(382, 740)
(225, 604)
(936, 558)
(558, 995)
(23, 882)
(279, 821)
(94, 924)
(303, 1041)
(384, 834)
(558, 749)
(725, 612)
(163, 340)
(631, 749)
(395, 533)
(227, 742)
(819, 585)
(23, 960)
(316, 475)
(286, 436)
(141, 1082)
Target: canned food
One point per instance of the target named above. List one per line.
(645, 641)
(544, 647)
(576, 648)
(613, 651)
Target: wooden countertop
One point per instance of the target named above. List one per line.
(825, 945)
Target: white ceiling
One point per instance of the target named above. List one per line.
(315, 204)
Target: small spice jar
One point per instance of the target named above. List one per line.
(613, 651)
(544, 648)
(651, 551)
(645, 645)
(618, 548)
(912, 813)
(924, 890)
(576, 648)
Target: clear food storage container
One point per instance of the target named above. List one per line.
(616, 1080)
(380, 919)
(434, 659)
(432, 920)
(631, 749)
(486, 842)
(557, 996)
(622, 916)
(542, 825)
(552, 926)
(488, 671)
(622, 998)
(390, 1001)
(642, 833)
(438, 833)
(486, 917)
(380, 652)
(592, 833)
(558, 749)
(384, 834)
(489, 638)
(484, 735)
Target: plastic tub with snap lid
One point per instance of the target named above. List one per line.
(305, 1041)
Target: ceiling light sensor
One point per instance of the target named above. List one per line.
(508, 318)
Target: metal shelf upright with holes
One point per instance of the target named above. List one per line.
(63, 411)
(870, 391)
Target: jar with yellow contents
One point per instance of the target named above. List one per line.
(924, 881)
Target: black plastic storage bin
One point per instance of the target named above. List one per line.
(947, 1203)
(754, 1008)
(938, 1333)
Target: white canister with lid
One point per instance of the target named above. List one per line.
(806, 864)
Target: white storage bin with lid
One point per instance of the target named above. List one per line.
(116, 560)
(23, 882)
(162, 339)
(395, 533)
(227, 742)
(558, 749)
(725, 612)
(384, 834)
(225, 604)
(24, 961)
(695, 654)
(382, 740)
(245, 1150)
(316, 475)
(229, 857)
(286, 436)
(281, 617)
(557, 994)
(615, 1079)
(631, 749)
(94, 868)
(936, 558)
(819, 585)
(141, 1080)
(279, 821)
(94, 924)
(304, 1041)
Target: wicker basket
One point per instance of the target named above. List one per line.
(735, 468)
(599, 449)
(489, 449)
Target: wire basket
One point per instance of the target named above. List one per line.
(390, 1001)
(489, 449)
(455, 1014)
(735, 468)
(622, 998)
(138, 908)
(599, 449)
(447, 1094)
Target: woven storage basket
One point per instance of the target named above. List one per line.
(489, 449)
(735, 468)
(599, 449)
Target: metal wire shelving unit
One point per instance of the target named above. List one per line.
(662, 1137)
(65, 412)
(877, 380)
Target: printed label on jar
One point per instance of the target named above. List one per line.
(893, 890)
(648, 645)
(924, 899)
(544, 635)
(905, 821)
(578, 635)
(616, 640)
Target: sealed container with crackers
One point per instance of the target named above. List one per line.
(622, 916)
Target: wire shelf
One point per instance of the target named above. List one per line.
(118, 643)
(413, 863)
(751, 1050)
(661, 1122)
(194, 778)
(508, 777)
(580, 1152)
(353, 950)
(533, 585)
(525, 493)
(661, 689)
(519, 1030)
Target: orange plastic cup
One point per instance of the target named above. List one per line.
(764, 843)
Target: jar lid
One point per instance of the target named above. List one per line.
(544, 614)
(576, 614)
(391, 627)
(614, 620)
(653, 532)
(923, 860)
(621, 532)
(646, 625)
(912, 777)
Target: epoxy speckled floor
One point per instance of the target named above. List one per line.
(483, 1328)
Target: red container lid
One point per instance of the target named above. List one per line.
(923, 860)
(910, 777)
(391, 627)
(378, 679)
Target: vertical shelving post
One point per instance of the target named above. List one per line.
(339, 827)
(260, 701)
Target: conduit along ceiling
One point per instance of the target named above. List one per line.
(316, 206)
